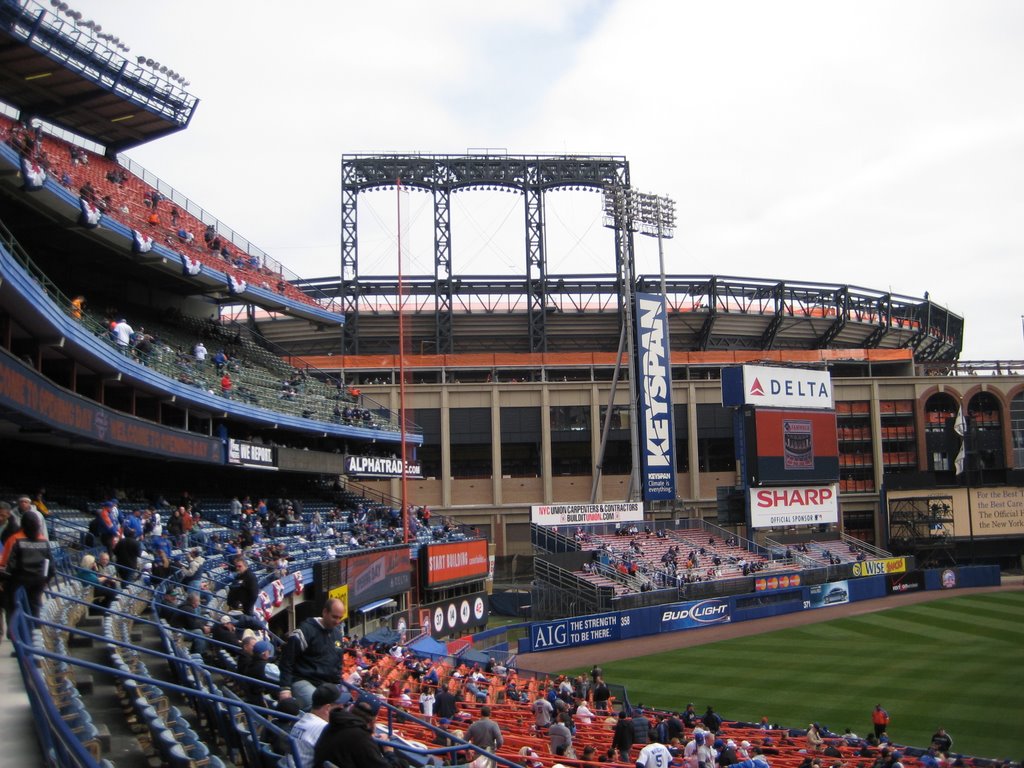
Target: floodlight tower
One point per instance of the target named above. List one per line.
(628, 211)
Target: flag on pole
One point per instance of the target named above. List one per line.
(960, 427)
(960, 423)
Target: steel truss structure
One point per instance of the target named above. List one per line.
(530, 175)
(581, 312)
(706, 313)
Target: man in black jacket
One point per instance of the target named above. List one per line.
(313, 655)
(444, 703)
(622, 738)
(347, 740)
(243, 590)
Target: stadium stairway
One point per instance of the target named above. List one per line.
(119, 743)
(16, 722)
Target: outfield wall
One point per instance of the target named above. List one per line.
(675, 617)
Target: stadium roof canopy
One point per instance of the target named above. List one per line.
(52, 69)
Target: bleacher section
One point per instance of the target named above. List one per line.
(259, 378)
(128, 199)
(182, 711)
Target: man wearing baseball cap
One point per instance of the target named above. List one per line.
(347, 741)
(307, 730)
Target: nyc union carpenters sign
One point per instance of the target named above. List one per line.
(586, 514)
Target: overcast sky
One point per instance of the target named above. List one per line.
(878, 144)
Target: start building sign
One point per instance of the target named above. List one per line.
(794, 505)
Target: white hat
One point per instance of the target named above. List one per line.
(745, 744)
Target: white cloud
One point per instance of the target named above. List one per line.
(871, 143)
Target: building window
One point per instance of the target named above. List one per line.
(470, 442)
(520, 442)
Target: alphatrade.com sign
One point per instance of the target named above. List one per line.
(880, 567)
(586, 514)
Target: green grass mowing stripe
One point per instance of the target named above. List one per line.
(994, 630)
(834, 672)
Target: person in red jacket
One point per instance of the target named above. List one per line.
(880, 719)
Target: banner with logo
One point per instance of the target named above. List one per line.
(693, 615)
(380, 466)
(586, 514)
(340, 593)
(377, 575)
(948, 578)
(455, 561)
(910, 581)
(829, 593)
(245, 454)
(769, 583)
(623, 625)
(880, 567)
(768, 387)
(568, 633)
(791, 446)
(657, 441)
(782, 506)
(456, 615)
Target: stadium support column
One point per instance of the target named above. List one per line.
(618, 215)
(349, 264)
(443, 341)
(536, 262)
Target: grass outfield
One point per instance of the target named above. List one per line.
(957, 663)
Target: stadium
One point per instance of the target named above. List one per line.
(403, 443)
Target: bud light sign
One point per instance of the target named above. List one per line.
(691, 615)
(655, 384)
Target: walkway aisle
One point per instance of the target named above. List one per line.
(16, 724)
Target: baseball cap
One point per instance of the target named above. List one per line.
(367, 706)
(225, 618)
(262, 647)
(328, 693)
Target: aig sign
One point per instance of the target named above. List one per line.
(762, 386)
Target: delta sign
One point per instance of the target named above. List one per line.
(766, 387)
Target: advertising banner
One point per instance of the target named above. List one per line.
(910, 581)
(449, 616)
(793, 505)
(623, 625)
(380, 466)
(377, 575)
(586, 514)
(340, 593)
(691, 615)
(767, 387)
(768, 583)
(829, 593)
(880, 567)
(568, 633)
(792, 446)
(455, 561)
(948, 579)
(24, 391)
(245, 454)
(657, 478)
